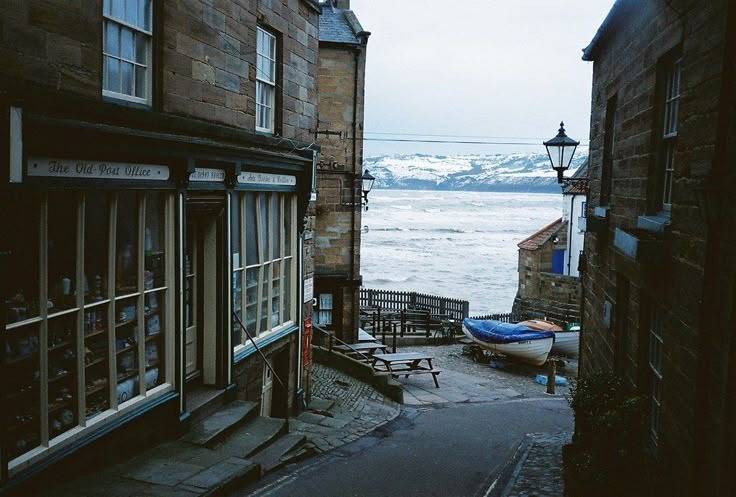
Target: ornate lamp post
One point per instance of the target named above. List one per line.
(560, 150)
(367, 181)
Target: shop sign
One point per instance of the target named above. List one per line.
(207, 174)
(80, 169)
(307, 342)
(308, 289)
(266, 179)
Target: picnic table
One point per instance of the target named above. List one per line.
(364, 348)
(406, 364)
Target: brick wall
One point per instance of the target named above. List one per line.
(626, 64)
(210, 55)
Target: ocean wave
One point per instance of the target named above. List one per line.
(384, 280)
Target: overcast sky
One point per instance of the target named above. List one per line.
(487, 68)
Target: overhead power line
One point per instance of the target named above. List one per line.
(459, 136)
(459, 142)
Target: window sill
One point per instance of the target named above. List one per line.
(657, 223)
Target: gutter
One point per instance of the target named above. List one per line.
(589, 52)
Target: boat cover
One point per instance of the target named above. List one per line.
(491, 331)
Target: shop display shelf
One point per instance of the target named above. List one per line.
(125, 323)
(94, 333)
(59, 405)
(96, 362)
(153, 364)
(61, 377)
(154, 336)
(127, 349)
(61, 345)
(93, 389)
(126, 376)
(17, 360)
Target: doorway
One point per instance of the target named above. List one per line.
(204, 295)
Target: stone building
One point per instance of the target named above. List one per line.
(342, 58)
(158, 159)
(660, 282)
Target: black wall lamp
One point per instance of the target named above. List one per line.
(560, 150)
(367, 181)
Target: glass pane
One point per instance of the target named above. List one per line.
(141, 48)
(118, 9)
(21, 299)
(141, 82)
(22, 368)
(112, 38)
(144, 14)
(96, 367)
(62, 251)
(62, 358)
(237, 306)
(126, 349)
(276, 295)
(126, 253)
(155, 343)
(276, 224)
(107, 7)
(131, 12)
(263, 233)
(263, 326)
(287, 290)
(251, 238)
(235, 231)
(288, 225)
(113, 75)
(127, 47)
(251, 300)
(127, 78)
(154, 275)
(96, 233)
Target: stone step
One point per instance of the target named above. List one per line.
(217, 426)
(273, 456)
(317, 404)
(252, 437)
(222, 478)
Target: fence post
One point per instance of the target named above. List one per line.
(393, 325)
(403, 322)
(429, 320)
(466, 309)
(413, 299)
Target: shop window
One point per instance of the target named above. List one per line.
(267, 242)
(94, 322)
(126, 42)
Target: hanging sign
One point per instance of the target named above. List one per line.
(207, 174)
(266, 179)
(82, 169)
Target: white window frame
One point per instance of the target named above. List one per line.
(147, 34)
(669, 130)
(264, 267)
(265, 86)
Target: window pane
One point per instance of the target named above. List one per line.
(131, 12)
(275, 226)
(141, 48)
(287, 290)
(287, 225)
(127, 78)
(118, 9)
(251, 235)
(144, 14)
(112, 38)
(127, 49)
(263, 235)
(107, 7)
(21, 301)
(276, 295)
(62, 374)
(141, 84)
(235, 233)
(113, 75)
(154, 274)
(263, 327)
(62, 251)
(154, 348)
(96, 360)
(126, 355)
(251, 300)
(237, 306)
(126, 254)
(22, 383)
(96, 234)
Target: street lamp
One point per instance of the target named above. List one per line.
(367, 181)
(560, 150)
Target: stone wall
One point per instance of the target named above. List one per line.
(672, 282)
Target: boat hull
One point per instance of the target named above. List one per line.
(531, 351)
(567, 343)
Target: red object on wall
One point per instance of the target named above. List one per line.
(307, 342)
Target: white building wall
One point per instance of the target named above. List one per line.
(572, 209)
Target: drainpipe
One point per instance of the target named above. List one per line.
(356, 173)
(569, 236)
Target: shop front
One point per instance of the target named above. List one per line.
(129, 262)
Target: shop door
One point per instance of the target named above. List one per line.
(204, 295)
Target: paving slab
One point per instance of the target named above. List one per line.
(164, 472)
(310, 417)
(320, 404)
(213, 428)
(272, 457)
(251, 437)
(229, 472)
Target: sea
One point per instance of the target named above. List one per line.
(454, 244)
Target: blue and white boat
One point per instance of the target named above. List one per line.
(515, 340)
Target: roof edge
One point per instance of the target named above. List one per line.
(589, 52)
(538, 232)
(356, 26)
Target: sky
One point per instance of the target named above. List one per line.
(477, 68)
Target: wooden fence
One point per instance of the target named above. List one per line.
(398, 301)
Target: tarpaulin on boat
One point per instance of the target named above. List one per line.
(488, 330)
